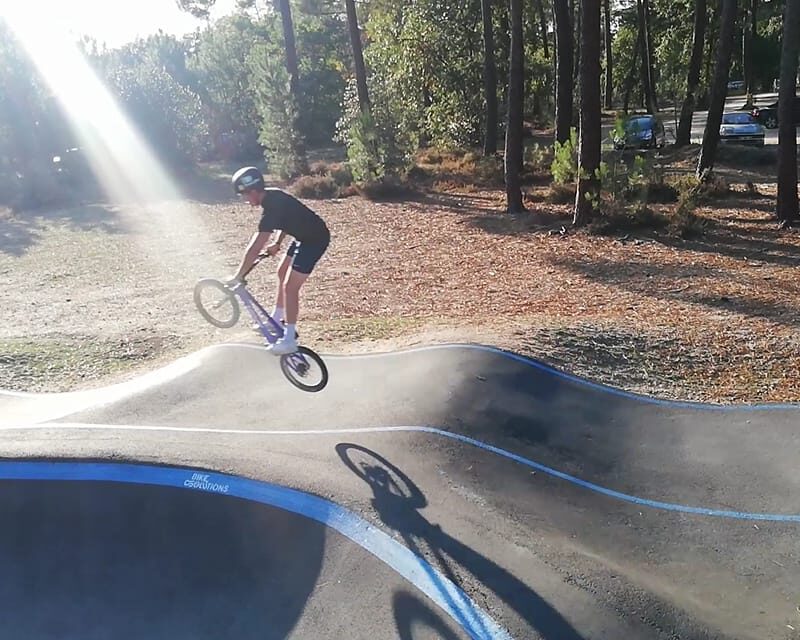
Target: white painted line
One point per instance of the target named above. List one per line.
(655, 504)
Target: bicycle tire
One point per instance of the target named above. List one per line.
(290, 374)
(211, 283)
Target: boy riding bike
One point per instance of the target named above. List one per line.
(282, 215)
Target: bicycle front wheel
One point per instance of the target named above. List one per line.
(216, 303)
(305, 370)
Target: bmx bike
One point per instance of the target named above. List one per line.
(220, 304)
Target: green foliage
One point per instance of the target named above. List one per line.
(539, 83)
(672, 53)
(622, 49)
(538, 158)
(218, 61)
(169, 115)
(278, 111)
(378, 143)
(626, 203)
(324, 56)
(565, 159)
(223, 90)
(428, 57)
(365, 151)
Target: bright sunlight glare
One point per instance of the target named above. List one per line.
(123, 163)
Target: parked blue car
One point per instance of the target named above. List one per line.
(641, 132)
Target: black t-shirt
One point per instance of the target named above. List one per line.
(285, 213)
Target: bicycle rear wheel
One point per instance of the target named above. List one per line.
(216, 303)
(298, 369)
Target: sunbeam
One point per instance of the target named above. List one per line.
(169, 229)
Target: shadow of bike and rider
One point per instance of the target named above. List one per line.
(397, 501)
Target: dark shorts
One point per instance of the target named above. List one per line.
(306, 255)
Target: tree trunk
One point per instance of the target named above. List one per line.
(647, 80)
(294, 82)
(576, 74)
(684, 134)
(565, 47)
(543, 27)
(516, 97)
(358, 56)
(648, 24)
(712, 31)
(489, 80)
(747, 53)
(787, 209)
(609, 97)
(719, 88)
(588, 191)
(577, 16)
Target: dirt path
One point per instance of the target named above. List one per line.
(95, 293)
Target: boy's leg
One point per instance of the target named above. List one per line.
(291, 298)
(302, 266)
(280, 299)
(294, 281)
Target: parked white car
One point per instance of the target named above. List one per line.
(741, 128)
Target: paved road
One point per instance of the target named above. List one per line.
(551, 508)
(699, 118)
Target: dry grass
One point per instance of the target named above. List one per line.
(458, 169)
(712, 318)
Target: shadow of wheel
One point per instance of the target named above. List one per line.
(416, 620)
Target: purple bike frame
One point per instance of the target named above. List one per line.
(270, 329)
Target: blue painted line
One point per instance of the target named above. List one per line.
(416, 570)
(597, 386)
(645, 502)
(576, 380)
(655, 504)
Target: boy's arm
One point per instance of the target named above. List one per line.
(257, 242)
(279, 236)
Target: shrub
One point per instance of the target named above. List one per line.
(430, 156)
(661, 192)
(684, 222)
(538, 158)
(565, 159)
(319, 169)
(341, 173)
(316, 187)
(561, 194)
(385, 189)
(418, 173)
(349, 191)
(615, 218)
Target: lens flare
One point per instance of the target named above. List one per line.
(168, 227)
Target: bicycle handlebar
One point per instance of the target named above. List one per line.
(258, 259)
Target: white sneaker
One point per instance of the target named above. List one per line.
(283, 347)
